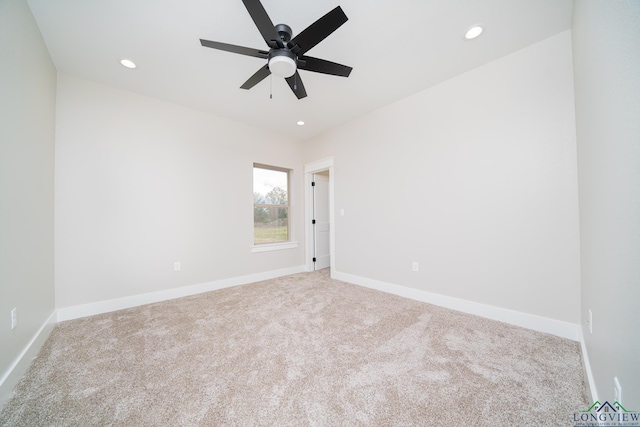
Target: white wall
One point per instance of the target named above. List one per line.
(606, 53)
(27, 125)
(475, 179)
(141, 183)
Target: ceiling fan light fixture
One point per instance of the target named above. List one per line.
(282, 66)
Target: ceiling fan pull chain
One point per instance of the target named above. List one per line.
(270, 86)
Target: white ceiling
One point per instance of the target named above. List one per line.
(396, 48)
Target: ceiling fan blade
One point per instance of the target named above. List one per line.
(310, 63)
(259, 75)
(263, 22)
(317, 31)
(295, 83)
(235, 49)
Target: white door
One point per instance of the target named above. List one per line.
(321, 224)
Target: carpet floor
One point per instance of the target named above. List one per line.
(301, 350)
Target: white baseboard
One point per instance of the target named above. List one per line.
(15, 372)
(587, 368)
(525, 320)
(84, 310)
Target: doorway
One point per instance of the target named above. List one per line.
(320, 221)
(319, 217)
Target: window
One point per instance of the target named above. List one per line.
(271, 205)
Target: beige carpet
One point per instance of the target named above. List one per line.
(302, 350)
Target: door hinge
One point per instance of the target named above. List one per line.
(313, 183)
(313, 221)
(314, 259)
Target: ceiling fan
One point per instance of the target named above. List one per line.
(286, 55)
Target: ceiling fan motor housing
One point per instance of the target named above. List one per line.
(284, 31)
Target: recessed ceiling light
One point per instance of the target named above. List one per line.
(300, 123)
(128, 63)
(473, 32)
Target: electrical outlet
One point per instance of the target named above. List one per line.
(14, 318)
(590, 321)
(415, 266)
(176, 266)
(617, 390)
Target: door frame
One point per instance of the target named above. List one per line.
(309, 170)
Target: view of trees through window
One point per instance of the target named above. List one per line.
(270, 204)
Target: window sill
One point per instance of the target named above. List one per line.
(274, 246)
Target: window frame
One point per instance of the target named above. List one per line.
(290, 243)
